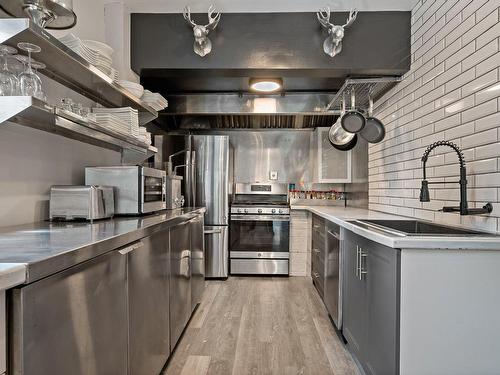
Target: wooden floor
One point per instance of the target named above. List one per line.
(249, 325)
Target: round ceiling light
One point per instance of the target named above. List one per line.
(265, 84)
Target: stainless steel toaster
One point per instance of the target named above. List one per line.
(81, 202)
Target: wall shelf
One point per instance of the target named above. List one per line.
(70, 69)
(29, 111)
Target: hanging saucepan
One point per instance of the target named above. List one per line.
(353, 121)
(338, 137)
(374, 130)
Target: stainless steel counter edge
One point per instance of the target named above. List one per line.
(342, 216)
(46, 248)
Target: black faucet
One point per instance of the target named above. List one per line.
(463, 209)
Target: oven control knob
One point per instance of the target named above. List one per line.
(259, 211)
(280, 211)
(239, 210)
(273, 211)
(245, 210)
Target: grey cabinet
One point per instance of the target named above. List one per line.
(318, 253)
(197, 260)
(148, 296)
(354, 298)
(333, 279)
(73, 322)
(180, 280)
(371, 303)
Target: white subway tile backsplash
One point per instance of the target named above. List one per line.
(480, 55)
(480, 83)
(452, 92)
(489, 64)
(488, 122)
(479, 139)
(480, 27)
(480, 110)
(460, 80)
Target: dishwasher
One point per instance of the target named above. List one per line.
(333, 279)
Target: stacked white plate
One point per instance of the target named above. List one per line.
(154, 100)
(144, 135)
(134, 88)
(125, 120)
(96, 53)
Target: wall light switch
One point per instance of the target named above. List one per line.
(273, 175)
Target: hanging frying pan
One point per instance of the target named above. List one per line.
(338, 137)
(374, 130)
(353, 121)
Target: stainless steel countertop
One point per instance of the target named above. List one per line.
(344, 216)
(47, 247)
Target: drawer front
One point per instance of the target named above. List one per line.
(319, 283)
(318, 226)
(259, 266)
(318, 245)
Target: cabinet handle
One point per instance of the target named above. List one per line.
(316, 250)
(316, 275)
(128, 249)
(362, 271)
(357, 261)
(316, 226)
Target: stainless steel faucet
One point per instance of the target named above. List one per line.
(463, 208)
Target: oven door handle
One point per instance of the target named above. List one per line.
(260, 217)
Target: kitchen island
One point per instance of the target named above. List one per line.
(415, 304)
(112, 296)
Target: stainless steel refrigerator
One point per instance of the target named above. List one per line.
(212, 192)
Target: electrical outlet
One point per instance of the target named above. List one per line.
(273, 175)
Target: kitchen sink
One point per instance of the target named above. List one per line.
(419, 228)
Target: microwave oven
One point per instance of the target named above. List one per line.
(137, 189)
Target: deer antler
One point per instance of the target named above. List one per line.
(352, 17)
(324, 16)
(187, 16)
(213, 18)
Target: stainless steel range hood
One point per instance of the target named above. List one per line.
(248, 111)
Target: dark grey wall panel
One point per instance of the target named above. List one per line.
(259, 44)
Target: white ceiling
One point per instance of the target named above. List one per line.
(244, 6)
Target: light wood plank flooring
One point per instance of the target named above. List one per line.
(249, 325)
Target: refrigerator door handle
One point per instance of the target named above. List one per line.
(213, 231)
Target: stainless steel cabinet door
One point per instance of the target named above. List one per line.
(180, 281)
(74, 322)
(197, 260)
(148, 296)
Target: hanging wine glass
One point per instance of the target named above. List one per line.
(28, 80)
(36, 65)
(17, 65)
(8, 80)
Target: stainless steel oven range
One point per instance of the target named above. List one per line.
(260, 229)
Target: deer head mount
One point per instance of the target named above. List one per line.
(333, 44)
(202, 45)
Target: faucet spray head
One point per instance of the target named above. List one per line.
(424, 192)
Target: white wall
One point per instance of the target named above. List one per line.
(451, 92)
(31, 160)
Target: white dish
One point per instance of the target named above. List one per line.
(100, 47)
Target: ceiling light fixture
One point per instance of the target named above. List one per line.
(266, 84)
